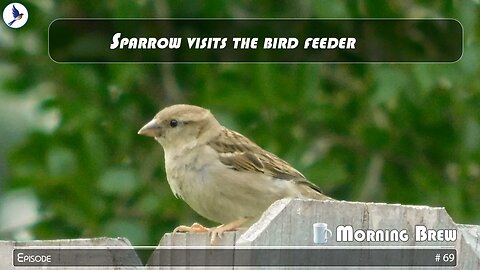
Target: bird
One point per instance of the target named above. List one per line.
(16, 15)
(221, 174)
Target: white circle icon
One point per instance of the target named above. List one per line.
(15, 15)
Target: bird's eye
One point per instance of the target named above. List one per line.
(173, 123)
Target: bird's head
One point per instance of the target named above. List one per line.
(181, 125)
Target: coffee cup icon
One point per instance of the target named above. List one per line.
(321, 233)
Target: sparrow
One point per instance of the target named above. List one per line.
(221, 174)
(16, 15)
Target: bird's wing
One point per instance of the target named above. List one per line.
(239, 153)
(15, 12)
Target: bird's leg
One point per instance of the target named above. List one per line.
(194, 228)
(218, 231)
(214, 232)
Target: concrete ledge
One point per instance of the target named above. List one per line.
(288, 222)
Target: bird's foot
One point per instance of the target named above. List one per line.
(215, 232)
(218, 231)
(194, 228)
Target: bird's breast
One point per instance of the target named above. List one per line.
(198, 177)
(186, 170)
(218, 192)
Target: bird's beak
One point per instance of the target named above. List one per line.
(151, 129)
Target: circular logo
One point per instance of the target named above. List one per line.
(15, 15)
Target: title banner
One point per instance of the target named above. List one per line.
(254, 40)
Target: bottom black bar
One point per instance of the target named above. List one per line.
(254, 257)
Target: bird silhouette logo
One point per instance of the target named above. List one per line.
(15, 15)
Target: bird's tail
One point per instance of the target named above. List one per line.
(10, 23)
(312, 191)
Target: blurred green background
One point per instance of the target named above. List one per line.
(72, 165)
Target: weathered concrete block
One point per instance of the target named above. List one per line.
(468, 247)
(288, 222)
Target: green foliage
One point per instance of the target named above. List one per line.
(389, 133)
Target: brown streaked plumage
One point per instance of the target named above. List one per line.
(241, 154)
